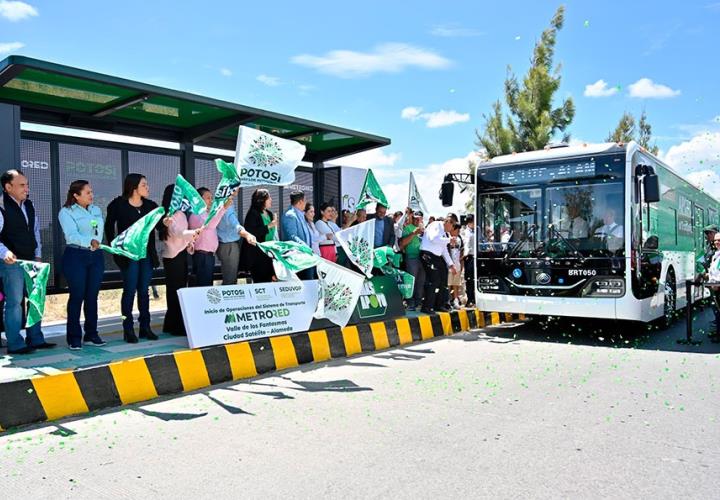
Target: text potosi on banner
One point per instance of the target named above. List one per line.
(223, 314)
(262, 158)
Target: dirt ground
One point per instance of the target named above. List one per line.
(108, 304)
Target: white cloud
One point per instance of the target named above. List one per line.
(645, 88)
(435, 119)
(453, 31)
(385, 58)
(444, 118)
(599, 89)
(16, 11)
(411, 113)
(369, 159)
(10, 47)
(698, 159)
(270, 81)
(225, 72)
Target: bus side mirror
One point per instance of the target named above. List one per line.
(446, 193)
(651, 186)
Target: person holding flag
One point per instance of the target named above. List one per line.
(204, 247)
(176, 236)
(19, 239)
(123, 212)
(82, 265)
(295, 228)
(262, 224)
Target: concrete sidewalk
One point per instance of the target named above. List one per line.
(120, 373)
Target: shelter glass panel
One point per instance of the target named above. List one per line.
(35, 164)
(102, 167)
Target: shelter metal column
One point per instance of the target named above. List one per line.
(187, 162)
(9, 136)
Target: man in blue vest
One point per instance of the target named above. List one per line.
(295, 228)
(19, 239)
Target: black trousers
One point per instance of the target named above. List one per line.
(176, 277)
(436, 278)
(469, 263)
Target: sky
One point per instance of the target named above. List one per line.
(423, 74)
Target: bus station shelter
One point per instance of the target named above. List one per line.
(48, 94)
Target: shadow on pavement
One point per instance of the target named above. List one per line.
(605, 333)
(168, 417)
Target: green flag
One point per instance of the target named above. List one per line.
(371, 193)
(289, 257)
(386, 255)
(36, 275)
(185, 197)
(229, 182)
(132, 243)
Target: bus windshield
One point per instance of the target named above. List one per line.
(556, 221)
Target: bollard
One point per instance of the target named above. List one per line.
(688, 334)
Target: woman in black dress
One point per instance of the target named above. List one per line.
(260, 222)
(122, 212)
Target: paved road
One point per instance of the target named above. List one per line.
(529, 411)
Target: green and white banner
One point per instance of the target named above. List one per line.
(223, 314)
(339, 292)
(262, 158)
(415, 200)
(132, 243)
(358, 242)
(388, 261)
(36, 276)
(185, 197)
(371, 192)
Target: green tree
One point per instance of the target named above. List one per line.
(626, 131)
(531, 120)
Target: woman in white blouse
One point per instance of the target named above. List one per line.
(314, 234)
(326, 227)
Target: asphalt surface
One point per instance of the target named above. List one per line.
(558, 410)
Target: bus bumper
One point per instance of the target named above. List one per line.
(549, 306)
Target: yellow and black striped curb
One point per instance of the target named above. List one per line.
(50, 397)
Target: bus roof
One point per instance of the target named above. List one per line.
(557, 152)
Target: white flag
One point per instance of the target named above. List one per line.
(359, 242)
(262, 158)
(339, 290)
(415, 200)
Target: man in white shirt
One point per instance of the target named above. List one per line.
(611, 231)
(574, 226)
(435, 260)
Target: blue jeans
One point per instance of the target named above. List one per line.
(14, 285)
(83, 270)
(203, 267)
(136, 278)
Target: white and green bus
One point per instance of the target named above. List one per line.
(595, 231)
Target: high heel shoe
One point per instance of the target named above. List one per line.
(130, 337)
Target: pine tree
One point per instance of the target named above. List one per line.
(532, 121)
(626, 131)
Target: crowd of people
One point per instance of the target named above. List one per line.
(437, 254)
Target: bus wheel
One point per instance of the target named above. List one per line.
(670, 311)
